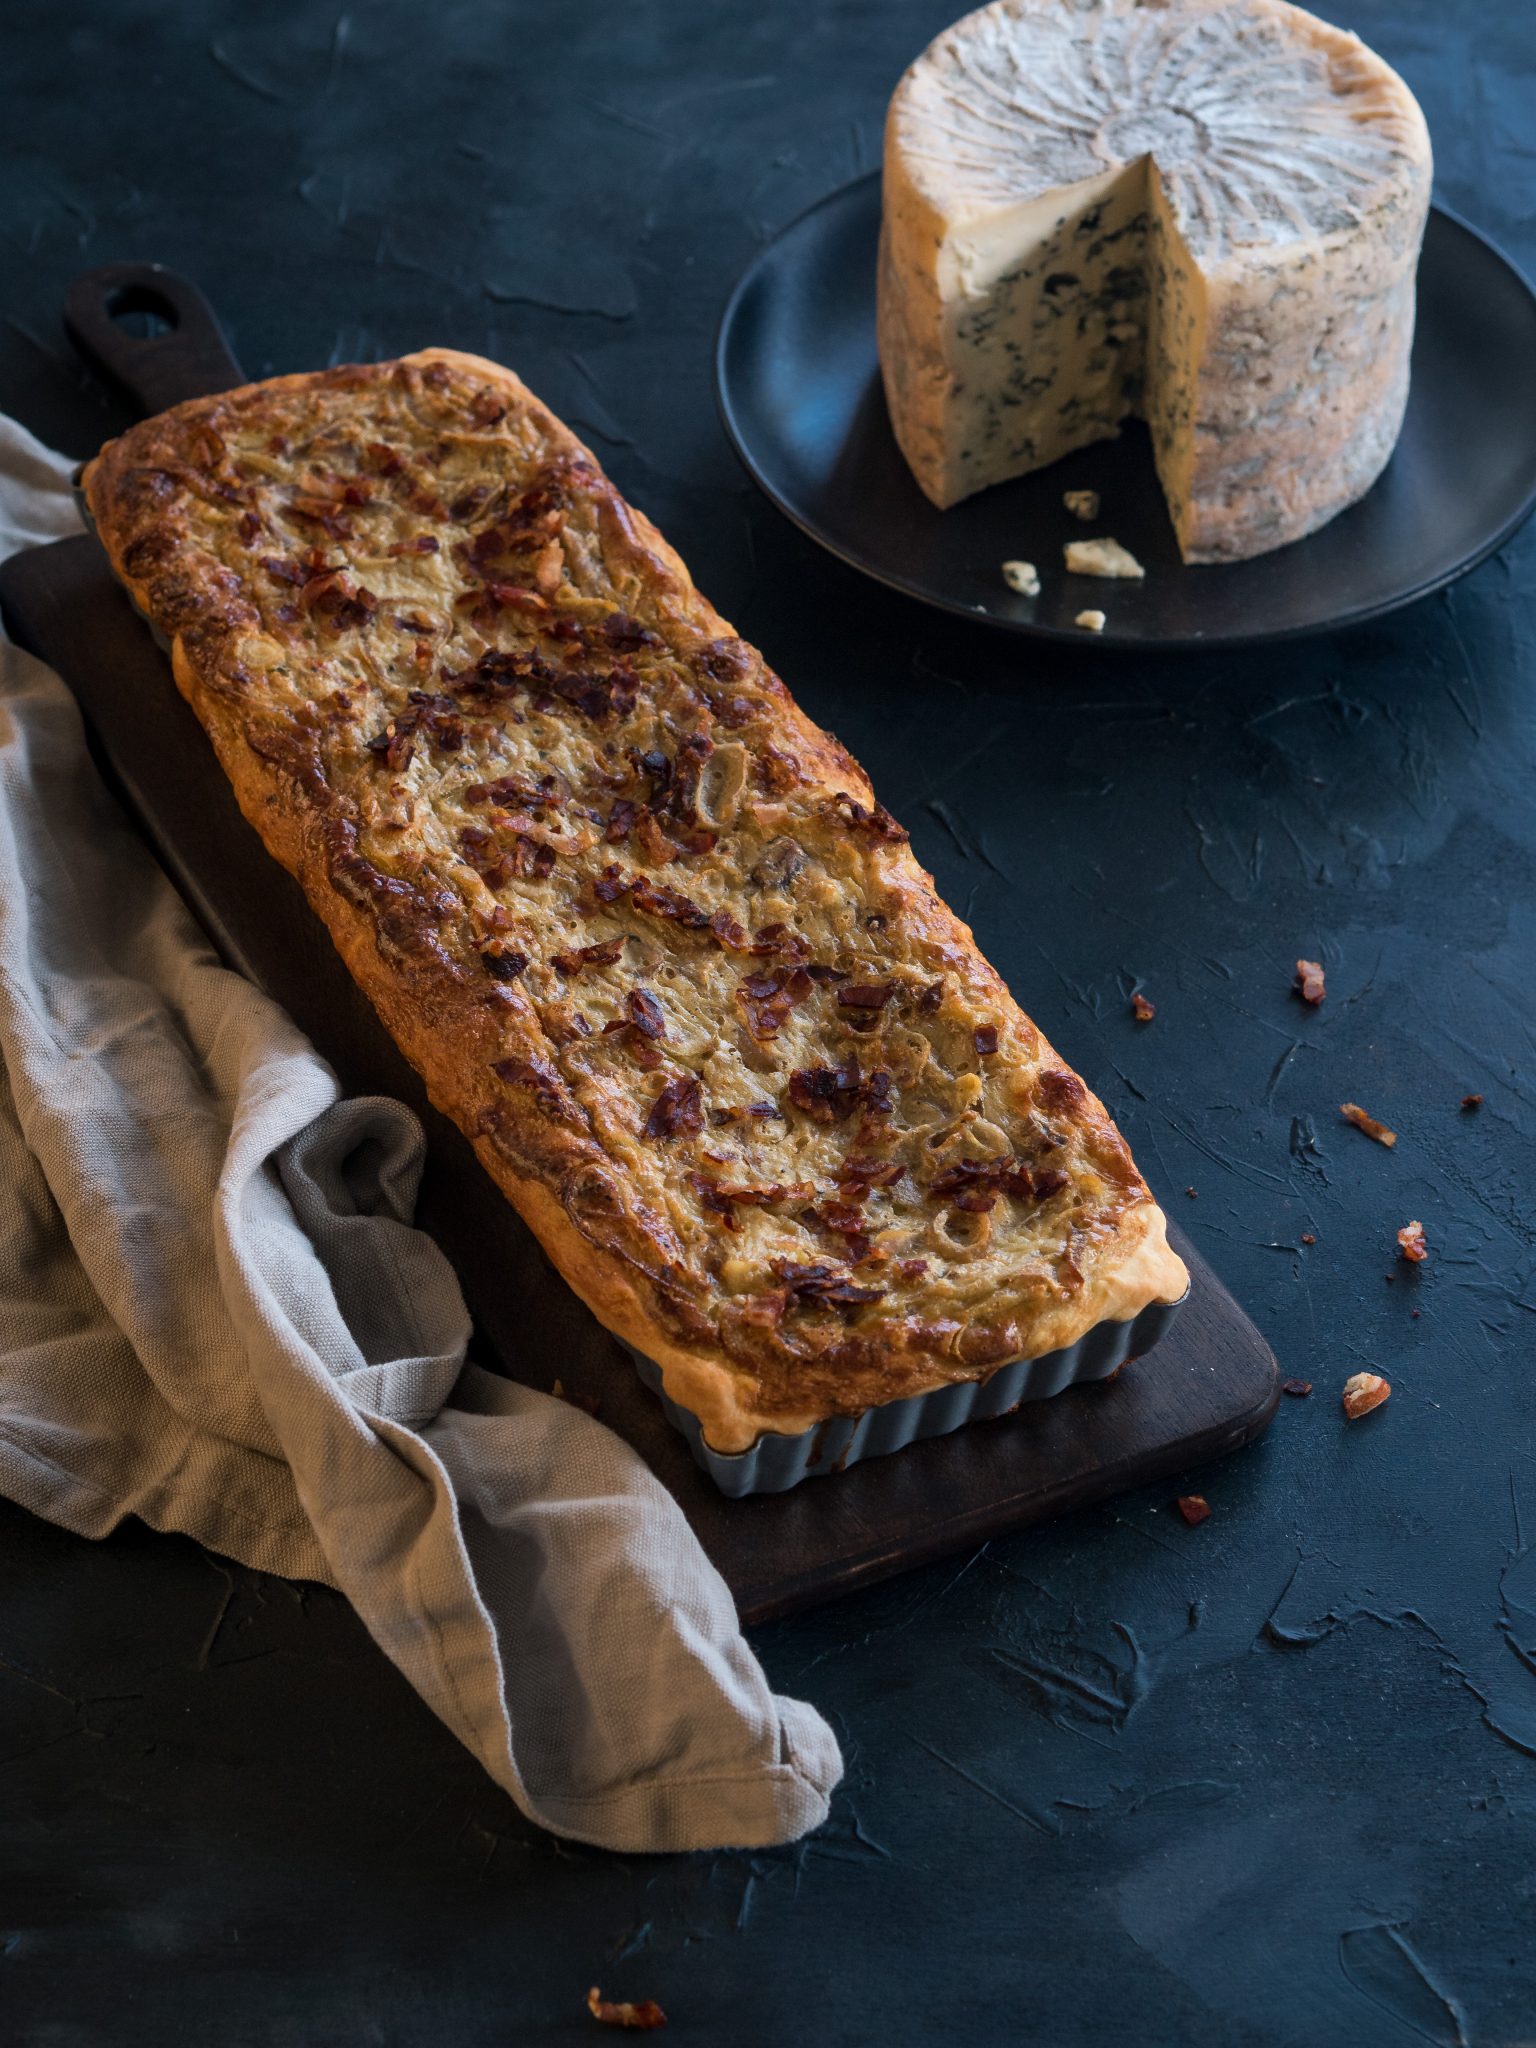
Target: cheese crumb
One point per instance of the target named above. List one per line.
(1091, 622)
(1023, 577)
(1082, 504)
(1101, 558)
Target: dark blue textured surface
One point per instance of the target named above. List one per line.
(1272, 1780)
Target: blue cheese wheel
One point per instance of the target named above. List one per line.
(1205, 214)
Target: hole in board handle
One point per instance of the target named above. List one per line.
(143, 312)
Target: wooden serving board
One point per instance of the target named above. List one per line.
(1208, 1388)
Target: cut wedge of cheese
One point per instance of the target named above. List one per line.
(1205, 212)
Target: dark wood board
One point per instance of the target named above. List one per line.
(1209, 1387)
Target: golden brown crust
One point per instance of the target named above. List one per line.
(779, 1123)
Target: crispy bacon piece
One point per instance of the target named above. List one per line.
(432, 718)
(1143, 1009)
(875, 821)
(721, 1198)
(823, 1282)
(829, 1094)
(677, 1111)
(1310, 985)
(418, 544)
(518, 790)
(1411, 1245)
(621, 2013)
(864, 1174)
(1353, 1113)
(501, 961)
(757, 1112)
(1194, 1507)
(657, 901)
(1470, 1102)
(930, 998)
(984, 1038)
(1297, 1389)
(645, 1013)
(767, 999)
(603, 954)
(866, 995)
(1364, 1391)
(975, 1184)
(844, 1220)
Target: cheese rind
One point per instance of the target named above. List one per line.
(1206, 212)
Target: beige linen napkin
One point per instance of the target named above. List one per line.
(215, 1314)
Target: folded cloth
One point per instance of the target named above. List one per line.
(215, 1314)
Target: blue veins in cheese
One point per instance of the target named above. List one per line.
(1206, 213)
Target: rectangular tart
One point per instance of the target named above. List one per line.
(639, 923)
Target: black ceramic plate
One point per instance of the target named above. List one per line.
(799, 389)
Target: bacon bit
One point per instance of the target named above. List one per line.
(627, 635)
(545, 794)
(435, 719)
(1194, 1507)
(502, 962)
(765, 1310)
(829, 1094)
(758, 1111)
(821, 1282)
(1470, 1102)
(532, 859)
(912, 1269)
(418, 544)
(1411, 1245)
(645, 1013)
(767, 999)
(248, 527)
(714, 1201)
(487, 409)
(657, 901)
(874, 820)
(724, 661)
(984, 1038)
(1363, 1392)
(677, 1111)
(975, 1184)
(1297, 1389)
(610, 885)
(382, 459)
(866, 995)
(841, 1219)
(864, 1174)
(1354, 1114)
(1309, 981)
(1142, 1008)
(1193, 1194)
(930, 998)
(281, 570)
(621, 821)
(620, 2013)
(603, 954)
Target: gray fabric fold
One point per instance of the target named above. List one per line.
(216, 1314)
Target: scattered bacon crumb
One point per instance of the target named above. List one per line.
(1309, 1237)
(1354, 1114)
(1470, 1102)
(1142, 1008)
(677, 1111)
(1411, 1242)
(1363, 1392)
(1193, 1194)
(620, 2013)
(984, 1038)
(1296, 1388)
(1194, 1507)
(1309, 981)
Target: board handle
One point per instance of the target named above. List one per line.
(151, 332)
